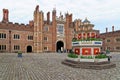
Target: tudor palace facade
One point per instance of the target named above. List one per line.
(111, 40)
(39, 35)
(45, 35)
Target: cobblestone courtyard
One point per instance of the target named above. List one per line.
(47, 66)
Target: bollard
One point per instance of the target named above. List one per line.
(109, 58)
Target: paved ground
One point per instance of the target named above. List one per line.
(47, 66)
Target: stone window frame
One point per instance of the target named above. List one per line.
(117, 47)
(117, 38)
(46, 48)
(45, 38)
(3, 36)
(108, 40)
(57, 28)
(3, 47)
(16, 47)
(30, 37)
(46, 28)
(16, 36)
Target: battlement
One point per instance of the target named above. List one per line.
(16, 26)
(61, 19)
(5, 24)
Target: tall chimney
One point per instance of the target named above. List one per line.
(48, 17)
(5, 15)
(54, 14)
(112, 28)
(37, 8)
(31, 23)
(106, 30)
(70, 17)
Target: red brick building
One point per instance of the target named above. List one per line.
(15, 37)
(39, 35)
(42, 35)
(111, 40)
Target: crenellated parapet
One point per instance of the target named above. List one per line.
(16, 26)
(5, 24)
(60, 18)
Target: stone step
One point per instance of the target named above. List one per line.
(87, 65)
(90, 63)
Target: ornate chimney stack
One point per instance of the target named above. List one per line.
(31, 23)
(106, 30)
(112, 28)
(37, 8)
(48, 17)
(5, 15)
(54, 14)
(70, 18)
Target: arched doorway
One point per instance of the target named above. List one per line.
(59, 46)
(29, 48)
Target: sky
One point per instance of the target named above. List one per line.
(101, 13)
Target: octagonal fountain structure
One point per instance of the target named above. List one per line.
(87, 48)
(86, 45)
(87, 52)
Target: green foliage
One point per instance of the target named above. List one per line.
(100, 56)
(93, 39)
(107, 51)
(19, 52)
(88, 39)
(72, 55)
(86, 57)
(74, 39)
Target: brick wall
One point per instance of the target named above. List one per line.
(23, 42)
(109, 40)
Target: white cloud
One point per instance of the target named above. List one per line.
(101, 12)
(19, 10)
